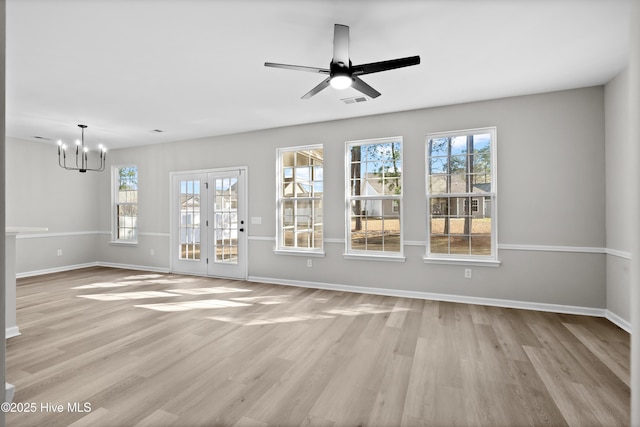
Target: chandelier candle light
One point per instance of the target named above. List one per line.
(82, 161)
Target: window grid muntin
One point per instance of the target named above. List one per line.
(225, 214)
(300, 198)
(190, 219)
(389, 197)
(126, 203)
(472, 195)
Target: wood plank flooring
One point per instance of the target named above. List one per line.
(150, 349)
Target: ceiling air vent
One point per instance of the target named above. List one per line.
(43, 138)
(355, 99)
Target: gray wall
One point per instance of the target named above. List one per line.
(634, 137)
(620, 185)
(551, 183)
(41, 194)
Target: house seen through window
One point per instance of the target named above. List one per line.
(300, 193)
(126, 204)
(374, 197)
(461, 194)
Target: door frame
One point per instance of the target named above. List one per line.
(243, 238)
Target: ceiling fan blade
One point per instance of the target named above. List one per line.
(376, 67)
(359, 85)
(340, 44)
(317, 89)
(297, 68)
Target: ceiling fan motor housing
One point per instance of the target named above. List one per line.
(339, 69)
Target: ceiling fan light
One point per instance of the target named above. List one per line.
(340, 81)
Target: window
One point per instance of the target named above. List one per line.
(461, 194)
(374, 197)
(125, 196)
(299, 204)
(189, 219)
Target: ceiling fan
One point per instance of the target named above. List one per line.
(342, 74)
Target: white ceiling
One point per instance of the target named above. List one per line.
(194, 68)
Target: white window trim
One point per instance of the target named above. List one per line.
(279, 248)
(115, 179)
(460, 259)
(352, 254)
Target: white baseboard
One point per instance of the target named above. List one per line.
(525, 305)
(91, 264)
(133, 267)
(55, 270)
(12, 331)
(9, 392)
(618, 321)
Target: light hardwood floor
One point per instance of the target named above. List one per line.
(149, 349)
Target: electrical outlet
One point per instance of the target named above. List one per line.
(309, 263)
(59, 252)
(467, 273)
(153, 252)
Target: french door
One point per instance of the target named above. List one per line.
(208, 223)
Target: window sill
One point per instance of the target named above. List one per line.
(314, 254)
(463, 261)
(123, 243)
(370, 257)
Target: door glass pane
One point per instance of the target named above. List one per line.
(189, 220)
(225, 220)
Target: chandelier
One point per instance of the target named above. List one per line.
(82, 155)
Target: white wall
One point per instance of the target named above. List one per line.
(634, 137)
(3, 31)
(41, 194)
(551, 181)
(551, 201)
(619, 184)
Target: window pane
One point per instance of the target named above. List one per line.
(439, 206)
(439, 184)
(288, 159)
(438, 147)
(300, 183)
(458, 145)
(481, 245)
(126, 208)
(356, 187)
(391, 186)
(375, 170)
(460, 164)
(303, 174)
(318, 189)
(481, 143)
(439, 165)
(439, 244)
(459, 245)
(189, 246)
(375, 225)
(302, 158)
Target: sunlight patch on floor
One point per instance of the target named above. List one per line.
(144, 276)
(265, 300)
(101, 285)
(207, 291)
(364, 309)
(264, 320)
(192, 305)
(170, 281)
(128, 295)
